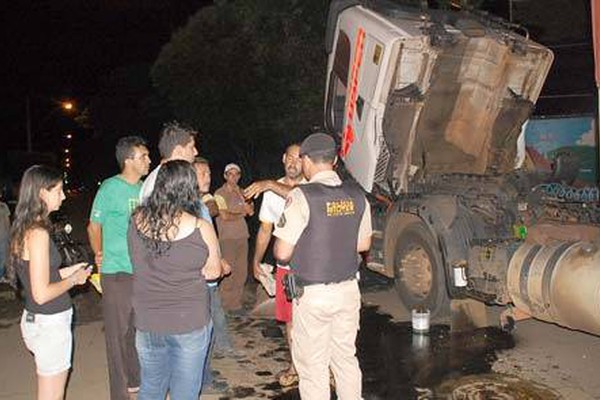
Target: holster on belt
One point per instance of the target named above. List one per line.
(293, 286)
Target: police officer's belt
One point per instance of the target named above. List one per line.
(294, 285)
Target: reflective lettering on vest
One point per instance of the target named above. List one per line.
(340, 208)
(326, 249)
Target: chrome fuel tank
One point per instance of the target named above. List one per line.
(558, 283)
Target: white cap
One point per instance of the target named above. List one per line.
(231, 166)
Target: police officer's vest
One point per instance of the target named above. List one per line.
(326, 250)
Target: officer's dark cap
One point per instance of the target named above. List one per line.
(318, 144)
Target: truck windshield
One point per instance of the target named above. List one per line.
(338, 84)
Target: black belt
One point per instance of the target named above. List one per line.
(309, 283)
(294, 285)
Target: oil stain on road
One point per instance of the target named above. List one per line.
(399, 364)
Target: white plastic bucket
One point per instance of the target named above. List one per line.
(460, 278)
(420, 320)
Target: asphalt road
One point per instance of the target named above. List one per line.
(536, 361)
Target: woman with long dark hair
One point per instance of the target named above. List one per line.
(174, 254)
(34, 258)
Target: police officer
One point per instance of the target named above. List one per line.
(324, 226)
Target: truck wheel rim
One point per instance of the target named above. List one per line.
(416, 268)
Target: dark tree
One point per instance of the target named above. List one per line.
(250, 76)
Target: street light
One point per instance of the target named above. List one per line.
(65, 105)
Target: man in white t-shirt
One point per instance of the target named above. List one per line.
(271, 209)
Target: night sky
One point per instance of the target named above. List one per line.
(59, 49)
(63, 49)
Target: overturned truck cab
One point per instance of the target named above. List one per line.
(429, 108)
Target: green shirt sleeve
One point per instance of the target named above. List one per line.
(99, 207)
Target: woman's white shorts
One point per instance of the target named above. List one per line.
(49, 337)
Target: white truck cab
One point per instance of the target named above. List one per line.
(428, 107)
(409, 91)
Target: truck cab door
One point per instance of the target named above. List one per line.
(353, 86)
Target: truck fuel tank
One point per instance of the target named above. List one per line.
(558, 283)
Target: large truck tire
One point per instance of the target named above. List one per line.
(419, 275)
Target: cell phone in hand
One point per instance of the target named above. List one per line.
(90, 268)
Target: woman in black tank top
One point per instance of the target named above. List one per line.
(46, 321)
(173, 255)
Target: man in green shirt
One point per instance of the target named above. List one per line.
(115, 201)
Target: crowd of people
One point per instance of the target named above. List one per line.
(170, 276)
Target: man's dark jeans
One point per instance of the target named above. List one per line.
(121, 355)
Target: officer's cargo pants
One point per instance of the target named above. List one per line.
(326, 322)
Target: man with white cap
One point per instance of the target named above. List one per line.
(233, 237)
(324, 226)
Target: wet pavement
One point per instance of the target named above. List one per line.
(485, 363)
(396, 363)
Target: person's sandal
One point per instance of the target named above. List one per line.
(288, 378)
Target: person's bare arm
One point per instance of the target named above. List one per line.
(65, 272)
(363, 244)
(225, 267)
(94, 231)
(212, 267)
(258, 187)
(283, 251)
(249, 208)
(38, 250)
(231, 215)
(263, 237)
(213, 208)
(365, 230)
(228, 212)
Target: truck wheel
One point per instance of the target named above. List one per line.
(419, 275)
